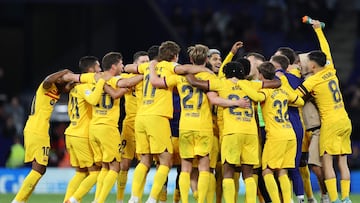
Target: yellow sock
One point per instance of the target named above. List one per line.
(159, 180)
(138, 179)
(141, 191)
(86, 185)
(285, 188)
(250, 190)
(272, 188)
(109, 182)
(345, 188)
(332, 189)
(121, 184)
(28, 186)
(212, 188)
(163, 194)
(100, 181)
(184, 186)
(196, 196)
(74, 184)
(228, 190)
(176, 196)
(237, 185)
(305, 175)
(203, 185)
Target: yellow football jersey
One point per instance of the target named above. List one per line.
(195, 107)
(132, 98)
(236, 119)
(42, 106)
(81, 99)
(157, 101)
(275, 113)
(324, 87)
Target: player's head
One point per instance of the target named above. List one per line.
(255, 60)
(266, 71)
(198, 54)
(112, 61)
(234, 69)
(316, 59)
(89, 64)
(246, 64)
(288, 52)
(280, 61)
(169, 51)
(304, 59)
(153, 52)
(214, 56)
(141, 57)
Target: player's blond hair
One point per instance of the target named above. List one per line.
(198, 54)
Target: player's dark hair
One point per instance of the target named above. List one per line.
(234, 69)
(168, 50)
(137, 55)
(282, 60)
(153, 52)
(267, 69)
(87, 62)
(246, 64)
(110, 59)
(256, 55)
(318, 57)
(288, 52)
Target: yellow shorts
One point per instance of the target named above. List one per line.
(152, 134)
(259, 152)
(195, 143)
(279, 154)
(176, 155)
(214, 153)
(80, 151)
(37, 147)
(335, 138)
(128, 145)
(107, 142)
(238, 148)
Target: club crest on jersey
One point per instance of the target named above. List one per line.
(52, 102)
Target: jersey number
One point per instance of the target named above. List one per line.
(190, 94)
(334, 88)
(104, 101)
(147, 81)
(281, 116)
(74, 108)
(248, 113)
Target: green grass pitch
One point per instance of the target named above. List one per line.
(58, 198)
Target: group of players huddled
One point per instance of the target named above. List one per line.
(212, 119)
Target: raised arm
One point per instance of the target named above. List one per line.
(50, 79)
(324, 45)
(95, 95)
(236, 46)
(216, 100)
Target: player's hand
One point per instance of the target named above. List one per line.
(243, 103)
(237, 45)
(153, 63)
(316, 24)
